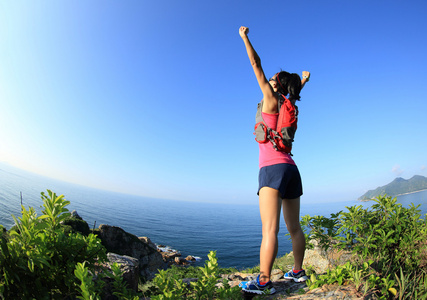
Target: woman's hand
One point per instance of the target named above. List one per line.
(243, 31)
(305, 78)
(306, 75)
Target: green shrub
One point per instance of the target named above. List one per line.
(44, 257)
(388, 239)
(38, 259)
(87, 288)
(77, 225)
(169, 283)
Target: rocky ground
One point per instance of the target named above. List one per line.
(288, 289)
(317, 259)
(320, 261)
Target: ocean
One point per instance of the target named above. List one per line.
(191, 228)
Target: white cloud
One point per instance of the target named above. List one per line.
(397, 170)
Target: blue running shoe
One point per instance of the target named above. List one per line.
(254, 286)
(243, 284)
(297, 277)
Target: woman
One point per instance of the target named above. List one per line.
(279, 178)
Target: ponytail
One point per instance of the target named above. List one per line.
(289, 84)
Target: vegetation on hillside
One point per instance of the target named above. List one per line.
(397, 187)
(389, 246)
(41, 258)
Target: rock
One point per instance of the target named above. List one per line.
(148, 241)
(76, 224)
(168, 254)
(116, 240)
(180, 261)
(237, 276)
(314, 259)
(74, 214)
(322, 260)
(276, 274)
(129, 267)
(335, 291)
(190, 258)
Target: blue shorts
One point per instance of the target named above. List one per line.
(282, 177)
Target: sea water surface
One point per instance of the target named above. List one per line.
(192, 228)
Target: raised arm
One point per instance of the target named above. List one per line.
(270, 100)
(305, 78)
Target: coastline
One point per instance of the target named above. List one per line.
(366, 200)
(411, 192)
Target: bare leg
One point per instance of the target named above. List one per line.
(269, 207)
(291, 213)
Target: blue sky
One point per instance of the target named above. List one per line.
(157, 98)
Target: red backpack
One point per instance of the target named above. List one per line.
(283, 136)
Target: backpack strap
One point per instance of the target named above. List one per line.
(283, 136)
(263, 133)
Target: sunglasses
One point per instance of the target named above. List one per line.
(274, 78)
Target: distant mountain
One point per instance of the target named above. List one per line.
(397, 187)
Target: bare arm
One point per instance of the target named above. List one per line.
(270, 100)
(305, 78)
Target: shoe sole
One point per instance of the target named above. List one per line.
(272, 291)
(301, 279)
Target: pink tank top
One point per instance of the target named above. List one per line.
(267, 155)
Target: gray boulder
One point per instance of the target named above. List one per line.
(129, 267)
(116, 240)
